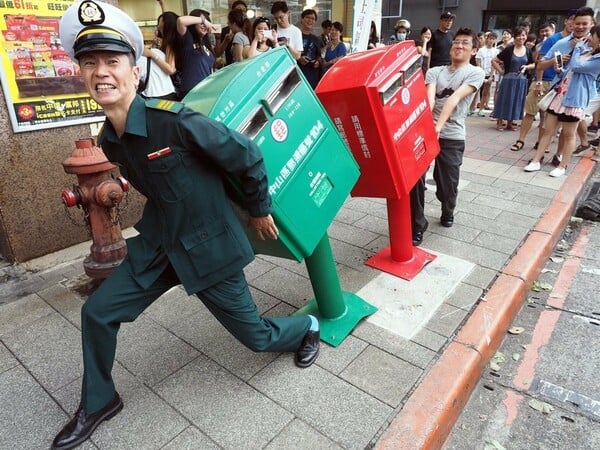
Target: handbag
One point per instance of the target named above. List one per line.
(177, 80)
(545, 101)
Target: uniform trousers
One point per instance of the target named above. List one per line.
(120, 299)
(446, 173)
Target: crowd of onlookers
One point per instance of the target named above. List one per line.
(187, 48)
(520, 65)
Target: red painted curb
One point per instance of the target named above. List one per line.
(428, 416)
(487, 325)
(531, 255)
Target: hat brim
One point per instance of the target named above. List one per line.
(94, 39)
(96, 46)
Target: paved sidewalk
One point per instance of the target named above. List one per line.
(187, 383)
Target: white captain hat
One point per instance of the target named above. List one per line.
(91, 25)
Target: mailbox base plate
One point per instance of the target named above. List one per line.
(406, 270)
(334, 331)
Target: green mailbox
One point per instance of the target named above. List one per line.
(310, 170)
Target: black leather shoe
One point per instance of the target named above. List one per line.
(447, 220)
(417, 238)
(81, 426)
(309, 349)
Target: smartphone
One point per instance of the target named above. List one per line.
(274, 27)
(268, 34)
(559, 61)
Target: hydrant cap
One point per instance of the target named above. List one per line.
(87, 158)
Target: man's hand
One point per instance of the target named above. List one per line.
(265, 227)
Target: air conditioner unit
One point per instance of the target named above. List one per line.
(445, 4)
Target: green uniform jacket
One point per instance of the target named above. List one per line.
(178, 159)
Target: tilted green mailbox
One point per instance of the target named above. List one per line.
(310, 170)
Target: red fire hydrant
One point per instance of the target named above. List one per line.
(99, 194)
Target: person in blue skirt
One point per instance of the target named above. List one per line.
(512, 63)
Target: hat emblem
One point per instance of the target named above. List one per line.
(90, 13)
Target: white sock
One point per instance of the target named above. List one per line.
(314, 323)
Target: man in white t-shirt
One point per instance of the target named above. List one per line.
(450, 90)
(287, 34)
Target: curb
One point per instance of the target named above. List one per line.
(432, 409)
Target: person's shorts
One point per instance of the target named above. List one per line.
(593, 106)
(532, 99)
(563, 117)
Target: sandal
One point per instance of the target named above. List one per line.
(581, 148)
(517, 145)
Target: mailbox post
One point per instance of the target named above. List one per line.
(378, 102)
(310, 171)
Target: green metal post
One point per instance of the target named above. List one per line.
(338, 311)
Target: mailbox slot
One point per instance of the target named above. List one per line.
(414, 67)
(252, 126)
(284, 87)
(389, 90)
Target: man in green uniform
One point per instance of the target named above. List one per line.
(188, 232)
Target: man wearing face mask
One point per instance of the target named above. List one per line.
(401, 31)
(441, 41)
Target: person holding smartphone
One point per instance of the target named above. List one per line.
(287, 34)
(263, 38)
(310, 60)
(577, 68)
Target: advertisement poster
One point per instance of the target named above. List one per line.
(42, 86)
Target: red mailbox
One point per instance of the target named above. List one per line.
(378, 102)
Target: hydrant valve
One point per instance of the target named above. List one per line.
(70, 198)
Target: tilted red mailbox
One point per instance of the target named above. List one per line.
(378, 102)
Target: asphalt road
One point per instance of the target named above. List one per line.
(542, 389)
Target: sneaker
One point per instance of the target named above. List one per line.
(593, 128)
(470, 113)
(581, 148)
(481, 114)
(556, 160)
(532, 167)
(595, 142)
(558, 172)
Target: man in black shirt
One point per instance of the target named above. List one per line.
(441, 42)
(310, 60)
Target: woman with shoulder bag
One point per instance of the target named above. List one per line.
(573, 94)
(154, 76)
